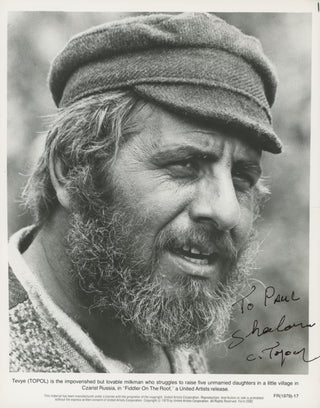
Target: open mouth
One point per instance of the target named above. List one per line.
(199, 261)
(196, 256)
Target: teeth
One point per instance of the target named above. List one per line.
(197, 261)
(196, 251)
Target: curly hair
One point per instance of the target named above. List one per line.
(85, 137)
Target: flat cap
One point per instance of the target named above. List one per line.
(194, 64)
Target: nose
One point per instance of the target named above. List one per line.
(215, 201)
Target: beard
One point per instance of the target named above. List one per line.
(116, 280)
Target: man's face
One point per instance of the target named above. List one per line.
(168, 251)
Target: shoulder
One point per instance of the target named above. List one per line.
(32, 346)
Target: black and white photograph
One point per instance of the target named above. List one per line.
(158, 192)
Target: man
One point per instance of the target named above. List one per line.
(144, 198)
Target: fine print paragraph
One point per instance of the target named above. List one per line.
(160, 391)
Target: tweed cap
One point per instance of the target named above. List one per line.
(194, 64)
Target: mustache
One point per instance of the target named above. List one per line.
(207, 240)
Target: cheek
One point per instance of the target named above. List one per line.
(154, 198)
(243, 230)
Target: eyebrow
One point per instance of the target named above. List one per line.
(184, 152)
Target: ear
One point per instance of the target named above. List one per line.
(58, 181)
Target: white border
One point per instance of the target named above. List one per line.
(310, 384)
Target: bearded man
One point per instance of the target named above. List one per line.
(144, 197)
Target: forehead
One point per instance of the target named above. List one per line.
(156, 130)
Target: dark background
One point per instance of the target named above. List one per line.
(34, 38)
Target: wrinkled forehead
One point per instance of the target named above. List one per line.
(156, 129)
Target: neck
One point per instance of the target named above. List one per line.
(47, 258)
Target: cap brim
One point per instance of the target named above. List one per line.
(221, 106)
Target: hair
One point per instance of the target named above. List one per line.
(85, 137)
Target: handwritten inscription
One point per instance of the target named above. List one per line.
(258, 330)
(270, 296)
(276, 350)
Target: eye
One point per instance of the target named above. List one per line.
(245, 175)
(243, 181)
(184, 168)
